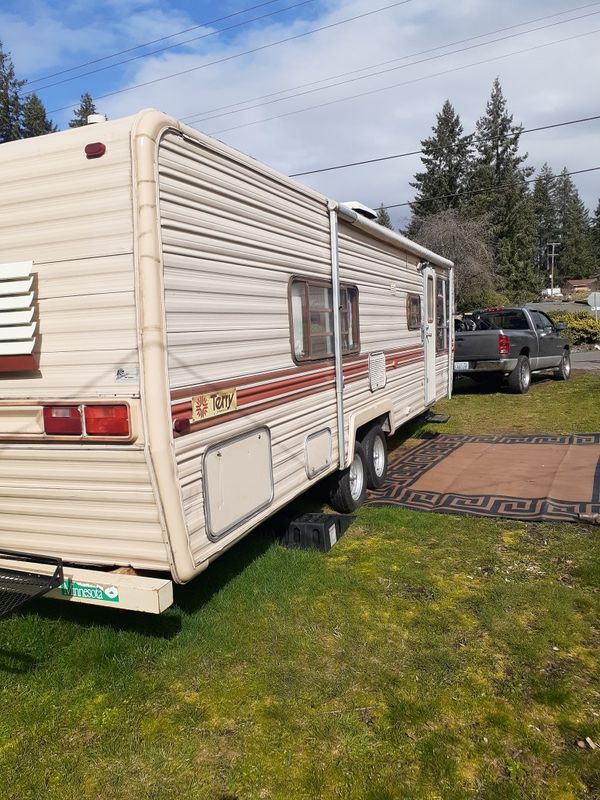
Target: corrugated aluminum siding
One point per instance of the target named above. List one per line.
(384, 275)
(232, 237)
(73, 218)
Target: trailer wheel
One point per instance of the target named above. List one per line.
(349, 486)
(375, 446)
(520, 378)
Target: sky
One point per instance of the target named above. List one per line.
(394, 64)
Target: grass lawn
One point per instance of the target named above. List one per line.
(426, 656)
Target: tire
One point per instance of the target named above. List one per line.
(348, 488)
(374, 444)
(563, 373)
(519, 379)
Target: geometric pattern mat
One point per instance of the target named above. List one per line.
(533, 478)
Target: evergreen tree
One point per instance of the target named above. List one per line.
(498, 182)
(544, 204)
(84, 109)
(10, 103)
(445, 157)
(35, 121)
(575, 255)
(595, 239)
(383, 218)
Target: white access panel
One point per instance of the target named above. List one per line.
(238, 480)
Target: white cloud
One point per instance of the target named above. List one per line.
(542, 86)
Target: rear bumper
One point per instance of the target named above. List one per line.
(110, 589)
(503, 365)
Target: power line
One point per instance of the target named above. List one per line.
(171, 46)
(492, 188)
(202, 116)
(405, 83)
(244, 53)
(148, 44)
(418, 152)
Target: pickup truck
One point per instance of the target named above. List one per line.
(497, 343)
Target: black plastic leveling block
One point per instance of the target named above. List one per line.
(18, 586)
(316, 531)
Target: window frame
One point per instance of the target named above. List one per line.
(353, 305)
(410, 296)
(442, 330)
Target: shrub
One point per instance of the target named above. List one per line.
(581, 327)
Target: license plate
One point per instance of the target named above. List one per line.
(459, 366)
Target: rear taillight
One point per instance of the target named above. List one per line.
(503, 344)
(101, 420)
(106, 420)
(62, 420)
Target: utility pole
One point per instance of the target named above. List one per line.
(550, 256)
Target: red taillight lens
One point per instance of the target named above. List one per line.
(95, 150)
(62, 420)
(503, 345)
(106, 420)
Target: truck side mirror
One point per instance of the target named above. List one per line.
(560, 326)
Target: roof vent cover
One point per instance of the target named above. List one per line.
(360, 208)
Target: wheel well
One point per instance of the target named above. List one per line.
(383, 421)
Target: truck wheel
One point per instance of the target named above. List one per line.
(563, 373)
(349, 486)
(375, 446)
(520, 378)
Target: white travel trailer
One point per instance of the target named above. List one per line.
(189, 340)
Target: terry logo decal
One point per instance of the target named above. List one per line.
(205, 406)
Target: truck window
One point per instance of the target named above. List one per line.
(542, 322)
(311, 305)
(413, 312)
(501, 320)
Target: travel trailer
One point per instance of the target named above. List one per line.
(188, 341)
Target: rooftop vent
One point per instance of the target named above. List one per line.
(361, 209)
(94, 118)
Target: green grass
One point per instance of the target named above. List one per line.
(426, 656)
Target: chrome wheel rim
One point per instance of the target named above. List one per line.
(378, 456)
(356, 478)
(525, 375)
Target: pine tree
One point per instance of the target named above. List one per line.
(595, 239)
(575, 255)
(84, 109)
(545, 210)
(383, 218)
(498, 186)
(10, 103)
(35, 121)
(445, 157)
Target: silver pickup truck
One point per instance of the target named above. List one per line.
(497, 343)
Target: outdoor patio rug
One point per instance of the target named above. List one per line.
(549, 477)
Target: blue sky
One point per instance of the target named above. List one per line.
(555, 79)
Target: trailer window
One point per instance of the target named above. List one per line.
(429, 299)
(441, 315)
(312, 319)
(413, 312)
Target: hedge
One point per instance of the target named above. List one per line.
(581, 327)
